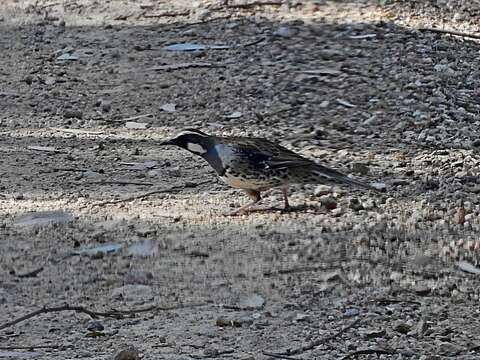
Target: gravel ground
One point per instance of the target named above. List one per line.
(87, 91)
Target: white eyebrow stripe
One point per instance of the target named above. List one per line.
(190, 133)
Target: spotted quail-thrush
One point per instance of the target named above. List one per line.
(255, 164)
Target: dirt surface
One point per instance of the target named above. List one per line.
(87, 90)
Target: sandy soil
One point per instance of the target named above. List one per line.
(353, 84)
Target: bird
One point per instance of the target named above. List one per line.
(256, 164)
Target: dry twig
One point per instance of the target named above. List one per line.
(279, 356)
(255, 3)
(123, 17)
(33, 347)
(77, 131)
(167, 14)
(180, 66)
(32, 273)
(45, 6)
(172, 189)
(450, 32)
(116, 314)
(134, 118)
(313, 344)
(367, 352)
(253, 42)
(120, 182)
(69, 169)
(45, 310)
(182, 25)
(385, 301)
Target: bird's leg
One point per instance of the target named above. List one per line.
(285, 198)
(252, 194)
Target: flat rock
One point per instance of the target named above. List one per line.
(251, 302)
(379, 186)
(43, 218)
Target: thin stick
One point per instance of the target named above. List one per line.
(70, 169)
(367, 352)
(385, 301)
(254, 42)
(255, 3)
(116, 314)
(450, 32)
(278, 111)
(178, 26)
(134, 118)
(137, 197)
(279, 356)
(123, 17)
(313, 344)
(45, 310)
(49, 5)
(157, 308)
(166, 14)
(180, 66)
(77, 131)
(32, 273)
(32, 347)
(120, 182)
(321, 341)
(172, 189)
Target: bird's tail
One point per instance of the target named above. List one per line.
(323, 173)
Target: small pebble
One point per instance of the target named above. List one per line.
(95, 325)
(350, 312)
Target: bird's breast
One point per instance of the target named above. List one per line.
(238, 181)
(249, 181)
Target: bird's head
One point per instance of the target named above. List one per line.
(193, 140)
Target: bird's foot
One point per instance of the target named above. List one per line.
(244, 210)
